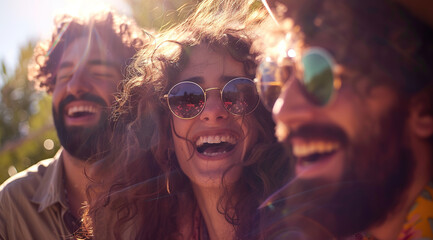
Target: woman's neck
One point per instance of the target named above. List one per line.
(217, 226)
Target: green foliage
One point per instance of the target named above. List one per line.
(25, 119)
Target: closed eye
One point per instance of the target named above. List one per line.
(103, 75)
(64, 77)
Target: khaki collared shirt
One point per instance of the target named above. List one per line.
(32, 203)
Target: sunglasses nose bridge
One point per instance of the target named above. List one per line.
(213, 108)
(211, 89)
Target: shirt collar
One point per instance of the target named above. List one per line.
(51, 189)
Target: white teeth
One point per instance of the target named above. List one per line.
(310, 148)
(213, 154)
(215, 139)
(75, 109)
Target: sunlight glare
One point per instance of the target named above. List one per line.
(87, 7)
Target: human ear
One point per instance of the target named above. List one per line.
(421, 116)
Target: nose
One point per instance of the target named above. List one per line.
(292, 108)
(79, 83)
(214, 109)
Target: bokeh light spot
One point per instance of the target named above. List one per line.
(48, 144)
(291, 53)
(12, 171)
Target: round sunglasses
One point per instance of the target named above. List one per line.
(186, 100)
(318, 81)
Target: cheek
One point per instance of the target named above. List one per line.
(367, 111)
(348, 111)
(181, 152)
(250, 131)
(180, 127)
(380, 100)
(108, 91)
(179, 132)
(56, 98)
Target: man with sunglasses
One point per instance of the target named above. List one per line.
(350, 85)
(81, 66)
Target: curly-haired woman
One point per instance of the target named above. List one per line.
(197, 153)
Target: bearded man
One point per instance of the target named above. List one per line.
(350, 84)
(81, 66)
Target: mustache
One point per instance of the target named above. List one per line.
(86, 97)
(315, 130)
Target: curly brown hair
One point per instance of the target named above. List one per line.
(376, 40)
(121, 35)
(380, 40)
(148, 193)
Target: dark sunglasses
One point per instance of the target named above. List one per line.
(315, 75)
(187, 100)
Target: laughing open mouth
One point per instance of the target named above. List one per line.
(313, 151)
(215, 145)
(81, 111)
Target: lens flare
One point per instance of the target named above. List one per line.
(56, 41)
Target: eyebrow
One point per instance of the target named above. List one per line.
(226, 79)
(199, 80)
(66, 65)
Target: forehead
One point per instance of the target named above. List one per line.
(85, 49)
(208, 63)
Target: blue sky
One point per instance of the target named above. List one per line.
(24, 20)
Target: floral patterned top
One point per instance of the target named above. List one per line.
(419, 221)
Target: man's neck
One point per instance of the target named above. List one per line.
(422, 175)
(75, 182)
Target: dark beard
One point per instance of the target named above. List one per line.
(83, 142)
(378, 169)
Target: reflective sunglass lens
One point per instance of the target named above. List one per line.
(318, 76)
(240, 96)
(186, 100)
(269, 87)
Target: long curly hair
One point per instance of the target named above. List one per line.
(121, 35)
(145, 190)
